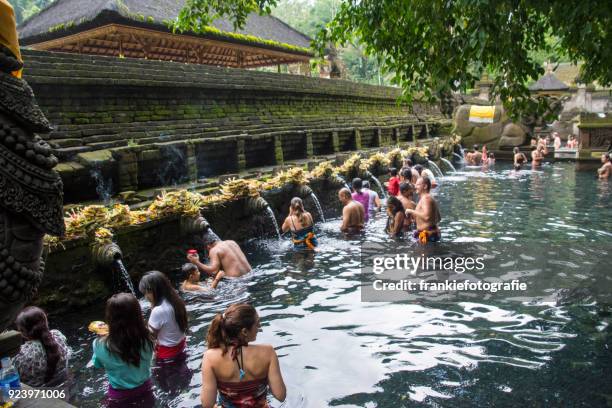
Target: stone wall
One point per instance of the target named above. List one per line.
(127, 125)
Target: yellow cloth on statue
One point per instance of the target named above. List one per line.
(482, 114)
(8, 31)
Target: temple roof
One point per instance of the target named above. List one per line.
(65, 18)
(548, 82)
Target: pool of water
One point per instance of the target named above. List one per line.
(546, 346)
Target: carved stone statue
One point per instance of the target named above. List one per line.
(31, 194)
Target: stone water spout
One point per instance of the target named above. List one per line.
(194, 225)
(31, 196)
(256, 205)
(303, 191)
(105, 255)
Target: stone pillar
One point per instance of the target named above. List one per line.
(335, 142)
(427, 131)
(127, 169)
(192, 161)
(378, 138)
(396, 135)
(357, 139)
(241, 157)
(414, 135)
(309, 145)
(278, 150)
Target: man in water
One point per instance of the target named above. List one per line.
(519, 158)
(605, 171)
(426, 213)
(572, 143)
(557, 140)
(192, 279)
(537, 157)
(353, 213)
(424, 172)
(473, 158)
(224, 256)
(362, 197)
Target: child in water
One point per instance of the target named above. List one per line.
(192, 279)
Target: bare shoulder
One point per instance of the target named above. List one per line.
(266, 350)
(213, 355)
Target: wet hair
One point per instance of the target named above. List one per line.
(419, 168)
(32, 323)
(395, 204)
(298, 206)
(607, 156)
(475, 147)
(159, 286)
(405, 186)
(225, 329)
(365, 183)
(516, 150)
(427, 182)
(393, 171)
(209, 237)
(345, 192)
(407, 173)
(491, 155)
(128, 334)
(188, 269)
(357, 184)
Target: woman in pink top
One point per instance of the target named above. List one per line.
(362, 197)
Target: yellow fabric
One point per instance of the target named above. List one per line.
(482, 114)
(8, 31)
(307, 240)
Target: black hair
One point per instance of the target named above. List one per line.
(393, 171)
(357, 184)
(407, 173)
(159, 286)
(395, 204)
(32, 323)
(419, 168)
(405, 187)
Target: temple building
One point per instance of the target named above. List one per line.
(549, 84)
(142, 29)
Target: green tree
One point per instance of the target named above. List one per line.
(435, 46)
(24, 9)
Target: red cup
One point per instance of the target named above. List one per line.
(192, 252)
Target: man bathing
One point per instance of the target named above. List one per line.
(224, 255)
(537, 157)
(519, 158)
(192, 279)
(426, 213)
(353, 213)
(605, 171)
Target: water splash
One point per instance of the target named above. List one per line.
(377, 182)
(435, 167)
(462, 152)
(104, 188)
(318, 205)
(172, 168)
(449, 164)
(458, 156)
(273, 218)
(125, 276)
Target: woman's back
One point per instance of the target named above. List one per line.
(31, 362)
(255, 362)
(298, 224)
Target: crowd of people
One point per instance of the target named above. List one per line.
(235, 373)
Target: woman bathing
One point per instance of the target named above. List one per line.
(239, 372)
(301, 225)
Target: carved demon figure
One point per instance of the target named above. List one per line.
(30, 191)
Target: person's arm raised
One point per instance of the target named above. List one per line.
(208, 393)
(275, 378)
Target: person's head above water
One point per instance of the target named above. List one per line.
(209, 238)
(516, 150)
(344, 195)
(605, 157)
(32, 324)
(237, 326)
(406, 189)
(407, 163)
(475, 148)
(128, 333)
(393, 172)
(190, 272)
(394, 205)
(406, 173)
(357, 184)
(419, 168)
(423, 185)
(366, 184)
(156, 287)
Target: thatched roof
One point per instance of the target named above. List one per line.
(548, 82)
(66, 17)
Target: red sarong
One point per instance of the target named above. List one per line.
(164, 352)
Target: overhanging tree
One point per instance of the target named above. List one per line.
(437, 46)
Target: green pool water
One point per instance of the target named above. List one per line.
(545, 346)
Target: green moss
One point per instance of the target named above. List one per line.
(57, 27)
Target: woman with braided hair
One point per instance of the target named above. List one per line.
(43, 358)
(239, 372)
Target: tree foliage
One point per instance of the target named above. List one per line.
(24, 9)
(436, 46)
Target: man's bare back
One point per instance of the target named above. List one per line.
(353, 217)
(231, 259)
